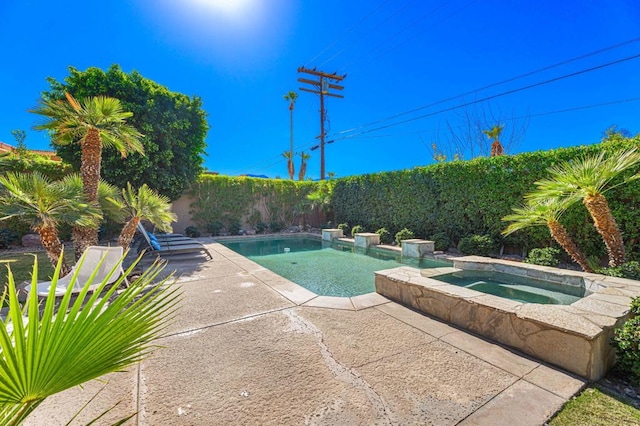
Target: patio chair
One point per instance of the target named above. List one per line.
(88, 263)
(169, 247)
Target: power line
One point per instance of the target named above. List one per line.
(440, 21)
(499, 83)
(254, 168)
(350, 30)
(487, 98)
(369, 31)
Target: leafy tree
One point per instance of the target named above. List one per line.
(174, 127)
(89, 123)
(589, 178)
(32, 198)
(144, 204)
(546, 212)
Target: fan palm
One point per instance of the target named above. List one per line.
(290, 166)
(303, 165)
(93, 123)
(144, 204)
(589, 179)
(33, 199)
(546, 212)
(494, 133)
(51, 350)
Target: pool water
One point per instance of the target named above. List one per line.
(521, 289)
(327, 269)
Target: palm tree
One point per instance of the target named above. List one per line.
(546, 212)
(303, 165)
(50, 347)
(494, 133)
(92, 122)
(291, 97)
(589, 179)
(144, 204)
(290, 166)
(44, 205)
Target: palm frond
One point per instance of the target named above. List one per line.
(55, 349)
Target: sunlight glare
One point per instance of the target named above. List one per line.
(227, 7)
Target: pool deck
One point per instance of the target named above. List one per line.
(250, 347)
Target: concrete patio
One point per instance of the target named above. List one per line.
(249, 347)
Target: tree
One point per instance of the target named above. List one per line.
(62, 343)
(21, 148)
(463, 138)
(174, 127)
(494, 134)
(546, 212)
(89, 123)
(589, 179)
(290, 166)
(290, 97)
(144, 204)
(303, 165)
(44, 205)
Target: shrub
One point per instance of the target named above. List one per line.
(261, 228)
(356, 229)
(214, 227)
(276, 226)
(344, 227)
(404, 234)
(441, 241)
(234, 228)
(547, 256)
(629, 270)
(7, 238)
(627, 344)
(192, 231)
(481, 245)
(385, 236)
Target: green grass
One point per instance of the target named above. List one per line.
(21, 265)
(595, 407)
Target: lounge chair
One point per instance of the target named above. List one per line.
(171, 246)
(88, 263)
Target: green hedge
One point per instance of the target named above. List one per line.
(463, 198)
(229, 200)
(54, 170)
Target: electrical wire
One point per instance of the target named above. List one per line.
(350, 30)
(499, 83)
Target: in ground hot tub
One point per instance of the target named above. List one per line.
(575, 336)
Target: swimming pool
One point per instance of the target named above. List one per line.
(327, 269)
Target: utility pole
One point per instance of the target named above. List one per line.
(321, 86)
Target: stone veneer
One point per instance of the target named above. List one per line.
(575, 337)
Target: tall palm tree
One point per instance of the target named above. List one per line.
(93, 122)
(291, 97)
(44, 205)
(589, 179)
(303, 165)
(144, 204)
(494, 133)
(290, 166)
(546, 212)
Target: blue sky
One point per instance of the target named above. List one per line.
(242, 56)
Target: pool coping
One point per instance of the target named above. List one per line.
(575, 337)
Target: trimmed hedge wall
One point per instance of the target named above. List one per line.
(462, 198)
(230, 200)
